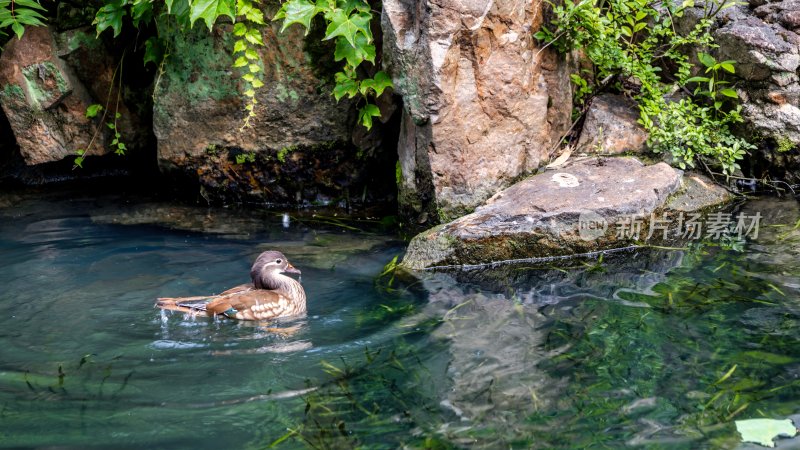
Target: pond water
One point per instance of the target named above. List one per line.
(661, 348)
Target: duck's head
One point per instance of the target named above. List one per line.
(267, 267)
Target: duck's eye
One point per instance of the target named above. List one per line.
(278, 261)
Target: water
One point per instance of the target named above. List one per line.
(630, 350)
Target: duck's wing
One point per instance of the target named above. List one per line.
(198, 303)
(238, 289)
(255, 304)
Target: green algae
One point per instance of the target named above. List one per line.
(42, 93)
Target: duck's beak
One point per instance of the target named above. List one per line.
(291, 269)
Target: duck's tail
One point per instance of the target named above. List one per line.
(192, 305)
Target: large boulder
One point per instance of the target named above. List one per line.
(768, 57)
(302, 147)
(768, 64)
(44, 101)
(483, 103)
(764, 41)
(588, 205)
(47, 81)
(611, 126)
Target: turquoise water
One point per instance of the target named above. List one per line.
(630, 350)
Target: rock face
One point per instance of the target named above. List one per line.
(43, 100)
(611, 127)
(764, 41)
(47, 80)
(482, 103)
(300, 147)
(588, 205)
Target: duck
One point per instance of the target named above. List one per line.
(270, 295)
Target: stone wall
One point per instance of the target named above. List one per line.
(303, 147)
(46, 84)
(483, 104)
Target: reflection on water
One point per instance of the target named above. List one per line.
(627, 350)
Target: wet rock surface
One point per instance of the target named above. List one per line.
(698, 192)
(47, 80)
(764, 42)
(611, 127)
(587, 205)
(44, 101)
(483, 103)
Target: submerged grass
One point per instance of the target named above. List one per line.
(673, 366)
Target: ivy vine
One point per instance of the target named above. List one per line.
(348, 23)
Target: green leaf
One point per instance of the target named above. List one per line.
(92, 110)
(763, 431)
(640, 15)
(254, 68)
(697, 80)
(345, 85)
(239, 46)
(350, 5)
(366, 114)
(209, 11)
(706, 59)
(249, 77)
(348, 26)
(240, 62)
(253, 36)
(354, 55)
(257, 83)
(379, 83)
(142, 11)
(626, 31)
(297, 11)
(110, 16)
(251, 54)
(728, 65)
(255, 15)
(29, 4)
(153, 50)
(239, 29)
(18, 29)
(728, 92)
(180, 10)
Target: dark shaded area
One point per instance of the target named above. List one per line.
(767, 162)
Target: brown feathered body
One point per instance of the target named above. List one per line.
(271, 294)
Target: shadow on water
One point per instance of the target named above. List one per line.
(653, 348)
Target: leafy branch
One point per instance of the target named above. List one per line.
(18, 14)
(248, 59)
(93, 110)
(348, 22)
